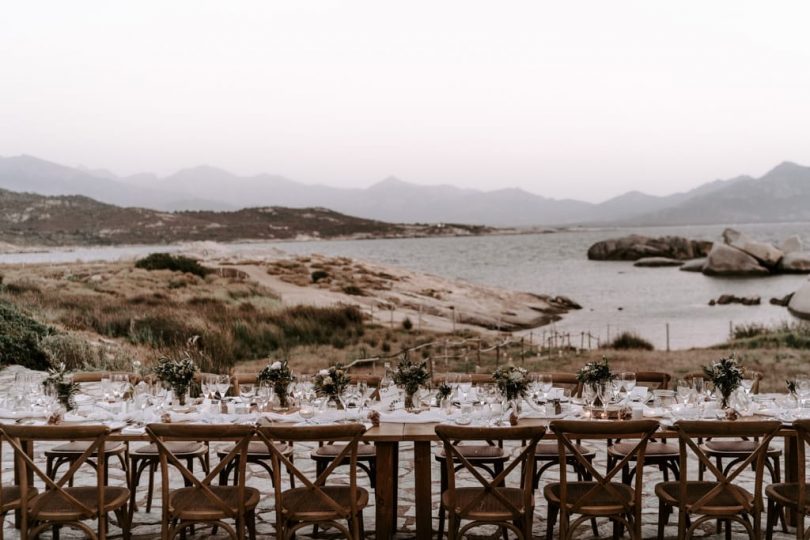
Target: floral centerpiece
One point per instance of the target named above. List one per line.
(279, 375)
(512, 381)
(176, 374)
(442, 393)
(61, 381)
(596, 375)
(411, 376)
(726, 375)
(331, 382)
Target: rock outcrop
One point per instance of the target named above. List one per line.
(726, 299)
(634, 247)
(800, 303)
(767, 255)
(654, 262)
(795, 262)
(791, 244)
(725, 260)
(694, 265)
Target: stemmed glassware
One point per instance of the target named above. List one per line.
(307, 411)
(546, 384)
(246, 391)
(465, 385)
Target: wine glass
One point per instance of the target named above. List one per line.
(246, 391)
(223, 384)
(684, 390)
(307, 411)
(747, 384)
(628, 379)
(205, 385)
(465, 385)
(546, 383)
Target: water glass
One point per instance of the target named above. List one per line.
(546, 384)
(307, 411)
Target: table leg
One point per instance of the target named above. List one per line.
(386, 510)
(791, 469)
(422, 495)
(28, 447)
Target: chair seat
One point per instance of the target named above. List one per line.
(723, 503)
(258, 449)
(490, 508)
(330, 451)
(178, 448)
(56, 507)
(303, 504)
(601, 503)
(10, 496)
(476, 452)
(655, 449)
(191, 503)
(734, 448)
(549, 449)
(79, 447)
(786, 494)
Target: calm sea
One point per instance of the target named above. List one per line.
(616, 295)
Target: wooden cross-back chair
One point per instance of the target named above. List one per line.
(491, 501)
(316, 502)
(659, 452)
(64, 454)
(10, 495)
(61, 504)
(601, 496)
(721, 499)
(257, 451)
(327, 451)
(792, 495)
(202, 502)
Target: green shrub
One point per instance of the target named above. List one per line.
(20, 338)
(630, 340)
(353, 290)
(318, 275)
(407, 324)
(175, 263)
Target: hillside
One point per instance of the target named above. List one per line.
(781, 195)
(34, 220)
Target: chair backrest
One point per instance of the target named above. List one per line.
(802, 428)
(241, 434)
(452, 435)
(239, 379)
(96, 376)
(691, 432)
(21, 439)
(658, 378)
(372, 381)
(348, 434)
(570, 431)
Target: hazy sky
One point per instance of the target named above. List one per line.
(566, 99)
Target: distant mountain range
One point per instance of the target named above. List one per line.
(783, 194)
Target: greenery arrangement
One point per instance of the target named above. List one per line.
(279, 375)
(59, 378)
(331, 382)
(512, 381)
(444, 392)
(594, 373)
(177, 374)
(726, 375)
(790, 384)
(175, 263)
(411, 376)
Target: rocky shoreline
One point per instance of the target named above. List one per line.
(738, 255)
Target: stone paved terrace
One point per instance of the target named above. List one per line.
(147, 526)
